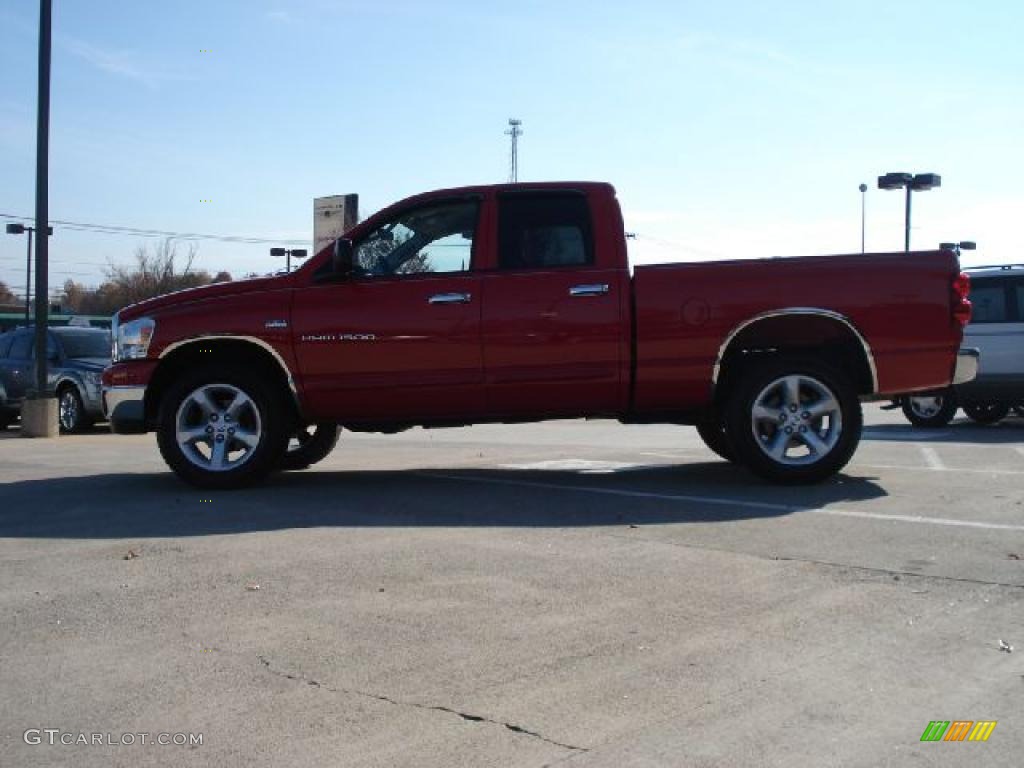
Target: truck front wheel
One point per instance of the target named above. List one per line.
(712, 432)
(221, 428)
(792, 420)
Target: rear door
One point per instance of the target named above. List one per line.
(997, 327)
(553, 310)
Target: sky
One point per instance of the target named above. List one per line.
(730, 130)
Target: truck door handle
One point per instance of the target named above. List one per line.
(450, 298)
(593, 289)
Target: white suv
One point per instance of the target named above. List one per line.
(997, 330)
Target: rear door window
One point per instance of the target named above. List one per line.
(543, 231)
(989, 301)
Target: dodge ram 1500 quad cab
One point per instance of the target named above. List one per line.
(516, 303)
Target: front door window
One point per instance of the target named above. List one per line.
(431, 240)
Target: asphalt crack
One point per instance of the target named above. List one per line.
(415, 705)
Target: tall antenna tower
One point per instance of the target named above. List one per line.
(515, 131)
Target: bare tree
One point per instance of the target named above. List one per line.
(6, 295)
(154, 272)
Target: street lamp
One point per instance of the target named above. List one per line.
(912, 182)
(863, 188)
(963, 245)
(298, 253)
(20, 229)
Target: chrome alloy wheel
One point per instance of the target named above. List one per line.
(68, 407)
(218, 427)
(796, 420)
(925, 406)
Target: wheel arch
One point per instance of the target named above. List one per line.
(200, 350)
(820, 333)
(66, 380)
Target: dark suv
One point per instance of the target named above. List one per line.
(76, 358)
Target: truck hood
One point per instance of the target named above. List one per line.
(203, 293)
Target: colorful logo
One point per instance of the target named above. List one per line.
(958, 730)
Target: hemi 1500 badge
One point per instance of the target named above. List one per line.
(340, 337)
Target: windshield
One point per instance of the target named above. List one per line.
(84, 343)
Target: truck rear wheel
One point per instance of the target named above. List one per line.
(310, 444)
(930, 411)
(792, 420)
(221, 428)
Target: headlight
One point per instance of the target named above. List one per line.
(131, 340)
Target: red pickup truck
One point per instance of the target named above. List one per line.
(515, 303)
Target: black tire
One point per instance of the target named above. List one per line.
(257, 432)
(713, 434)
(780, 426)
(71, 410)
(986, 413)
(309, 445)
(930, 411)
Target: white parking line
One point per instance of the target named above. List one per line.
(931, 457)
(920, 519)
(957, 470)
(1019, 450)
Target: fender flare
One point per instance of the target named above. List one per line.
(797, 311)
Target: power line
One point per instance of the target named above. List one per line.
(675, 246)
(109, 229)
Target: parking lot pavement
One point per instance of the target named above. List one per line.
(579, 593)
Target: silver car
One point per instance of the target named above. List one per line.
(997, 330)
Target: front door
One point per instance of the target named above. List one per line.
(400, 339)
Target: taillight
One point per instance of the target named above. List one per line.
(961, 304)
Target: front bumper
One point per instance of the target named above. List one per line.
(125, 408)
(966, 365)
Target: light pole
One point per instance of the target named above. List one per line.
(39, 410)
(863, 190)
(298, 253)
(20, 229)
(963, 245)
(912, 182)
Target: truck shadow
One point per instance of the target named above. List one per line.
(114, 506)
(1010, 430)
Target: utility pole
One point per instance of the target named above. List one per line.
(39, 413)
(515, 131)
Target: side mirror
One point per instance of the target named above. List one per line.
(341, 263)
